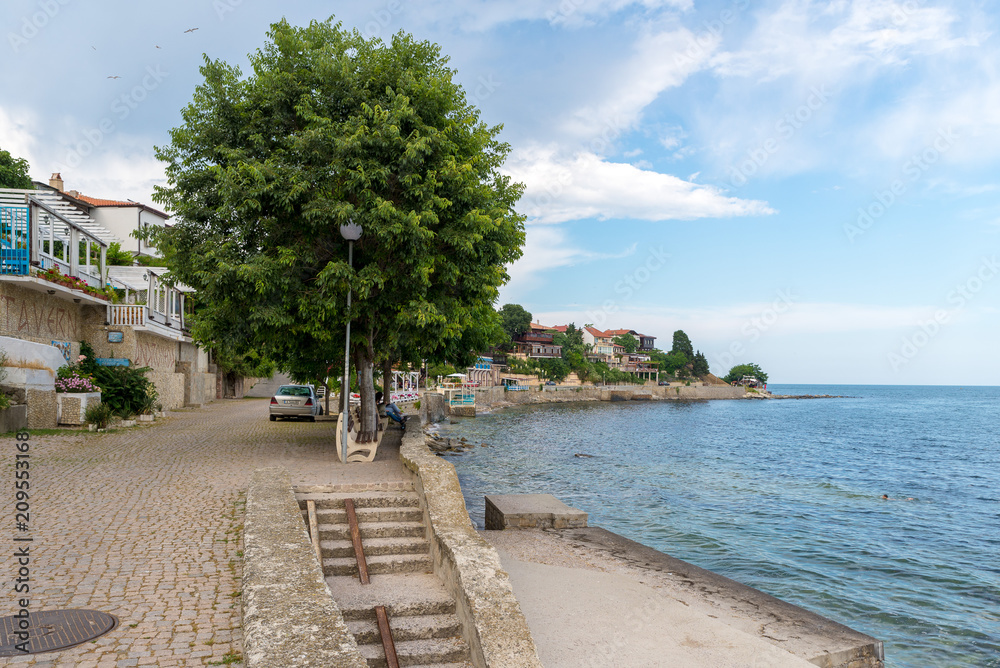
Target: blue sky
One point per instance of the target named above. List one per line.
(811, 186)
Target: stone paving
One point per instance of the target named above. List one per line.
(144, 523)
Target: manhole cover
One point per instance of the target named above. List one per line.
(51, 630)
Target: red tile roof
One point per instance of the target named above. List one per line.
(96, 201)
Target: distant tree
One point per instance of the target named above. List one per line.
(14, 172)
(628, 342)
(700, 364)
(682, 344)
(740, 370)
(515, 320)
(676, 364)
(117, 257)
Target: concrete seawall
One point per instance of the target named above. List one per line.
(494, 397)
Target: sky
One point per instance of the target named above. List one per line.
(809, 186)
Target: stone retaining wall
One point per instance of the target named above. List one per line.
(494, 626)
(496, 396)
(289, 617)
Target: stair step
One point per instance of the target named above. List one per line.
(372, 530)
(361, 499)
(376, 547)
(416, 652)
(380, 565)
(403, 595)
(421, 627)
(367, 515)
(463, 664)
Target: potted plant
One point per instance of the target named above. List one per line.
(76, 390)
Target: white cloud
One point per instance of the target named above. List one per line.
(585, 186)
(827, 42)
(661, 61)
(546, 248)
(18, 130)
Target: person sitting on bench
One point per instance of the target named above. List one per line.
(389, 410)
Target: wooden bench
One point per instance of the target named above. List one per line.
(361, 446)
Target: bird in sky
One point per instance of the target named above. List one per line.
(94, 48)
(115, 77)
(190, 30)
(158, 46)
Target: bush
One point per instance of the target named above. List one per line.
(99, 415)
(126, 390)
(416, 405)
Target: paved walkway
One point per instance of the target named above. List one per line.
(145, 524)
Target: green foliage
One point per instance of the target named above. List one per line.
(514, 320)
(332, 128)
(700, 364)
(435, 370)
(682, 344)
(675, 364)
(118, 257)
(98, 415)
(125, 390)
(14, 172)
(740, 370)
(147, 261)
(627, 341)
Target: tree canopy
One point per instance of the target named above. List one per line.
(331, 129)
(740, 370)
(515, 320)
(14, 172)
(627, 341)
(682, 344)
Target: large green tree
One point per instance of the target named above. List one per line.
(14, 172)
(682, 344)
(330, 129)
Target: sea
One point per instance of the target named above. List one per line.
(785, 496)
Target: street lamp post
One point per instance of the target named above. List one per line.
(351, 232)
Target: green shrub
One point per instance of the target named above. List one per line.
(4, 361)
(99, 415)
(416, 404)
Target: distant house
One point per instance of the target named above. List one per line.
(121, 218)
(646, 342)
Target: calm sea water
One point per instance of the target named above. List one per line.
(785, 496)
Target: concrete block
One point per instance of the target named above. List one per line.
(14, 418)
(462, 411)
(531, 511)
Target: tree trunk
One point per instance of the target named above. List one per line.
(387, 378)
(364, 362)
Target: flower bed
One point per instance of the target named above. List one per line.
(53, 276)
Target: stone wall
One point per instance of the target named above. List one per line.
(492, 621)
(496, 396)
(289, 617)
(170, 387)
(33, 315)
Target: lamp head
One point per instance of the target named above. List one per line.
(350, 231)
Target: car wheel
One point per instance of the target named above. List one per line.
(273, 418)
(312, 418)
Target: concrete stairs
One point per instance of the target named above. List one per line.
(426, 631)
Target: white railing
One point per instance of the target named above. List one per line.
(127, 315)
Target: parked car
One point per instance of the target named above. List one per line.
(664, 382)
(295, 401)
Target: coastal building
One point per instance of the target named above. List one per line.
(57, 289)
(122, 219)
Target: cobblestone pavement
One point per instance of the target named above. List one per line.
(144, 523)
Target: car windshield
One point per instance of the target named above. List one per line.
(293, 391)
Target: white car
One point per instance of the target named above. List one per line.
(295, 401)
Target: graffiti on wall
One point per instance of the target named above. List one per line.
(21, 317)
(160, 355)
(65, 347)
